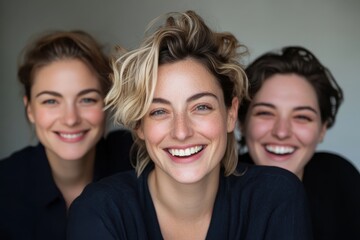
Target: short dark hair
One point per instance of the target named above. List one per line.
(300, 61)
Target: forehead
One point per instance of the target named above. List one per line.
(69, 74)
(185, 77)
(287, 88)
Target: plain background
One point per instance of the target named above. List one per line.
(328, 28)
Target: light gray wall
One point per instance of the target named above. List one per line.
(329, 28)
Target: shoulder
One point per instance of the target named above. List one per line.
(329, 163)
(111, 207)
(116, 188)
(19, 177)
(265, 179)
(20, 160)
(251, 172)
(113, 198)
(330, 169)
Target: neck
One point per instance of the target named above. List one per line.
(183, 206)
(71, 176)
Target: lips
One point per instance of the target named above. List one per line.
(186, 152)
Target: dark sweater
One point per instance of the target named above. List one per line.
(31, 205)
(332, 185)
(265, 203)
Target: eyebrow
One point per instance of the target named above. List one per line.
(56, 94)
(190, 99)
(300, 108)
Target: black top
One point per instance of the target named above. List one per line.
(265, 203)
(332, 185)
(31, 206)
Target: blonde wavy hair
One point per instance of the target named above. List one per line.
(182, 36)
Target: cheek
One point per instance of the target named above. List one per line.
(43, 118)
(96, 116)
(308, 135)
(154, 132)
(214, 127)
(256, 129)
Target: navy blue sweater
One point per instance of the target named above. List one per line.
(332, 185)
(31, 205)
(266, 203)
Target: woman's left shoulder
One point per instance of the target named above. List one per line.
(266, 177)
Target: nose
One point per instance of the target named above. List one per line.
(282, 128)
(71, 116)
(182, 128)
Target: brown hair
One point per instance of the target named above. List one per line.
(61, 45)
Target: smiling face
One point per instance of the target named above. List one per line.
(185, 129)
(283, 124)
(66, 109)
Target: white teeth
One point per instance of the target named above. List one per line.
(70, 136)
(185, 152)
(280, 149)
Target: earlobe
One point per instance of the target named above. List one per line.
(28, 109)
(232, 115)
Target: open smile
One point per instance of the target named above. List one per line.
(186, 152)
(71, 137)
(280, 150)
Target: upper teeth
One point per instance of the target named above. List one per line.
(185, 152)
(280, 149)
(70, 136)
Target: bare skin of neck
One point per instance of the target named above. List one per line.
(184, 211)
(71, 176)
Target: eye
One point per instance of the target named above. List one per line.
(303, 118)
(157, 112)
(263, 113)
(89, 100)
(203, 107)
(49, 102)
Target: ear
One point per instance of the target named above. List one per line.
(232, 115)
(322, 132)
(28, 109)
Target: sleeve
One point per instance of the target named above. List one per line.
(290, 217)
(347, 180)
(85, 221)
